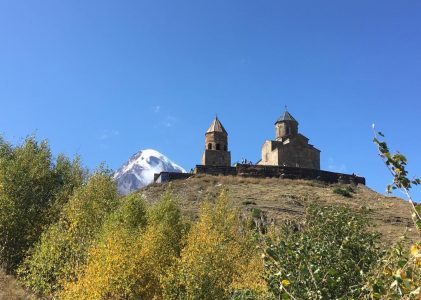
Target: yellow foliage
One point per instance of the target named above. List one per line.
(219, 257)
(128, 265)
(107, 270)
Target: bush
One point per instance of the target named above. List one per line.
(346, 192)
(326, 258)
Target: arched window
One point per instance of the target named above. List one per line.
(218, 147)
(210, 146)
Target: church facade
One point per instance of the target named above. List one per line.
(290, 148)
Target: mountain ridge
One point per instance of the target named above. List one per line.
(139, 170)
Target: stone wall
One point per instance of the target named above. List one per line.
(216, 158)
(261, 171)
(269, 156)
(169, 176)
(216, 170)
(291, 152)
(302, 157)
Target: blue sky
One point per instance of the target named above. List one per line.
(105, 79)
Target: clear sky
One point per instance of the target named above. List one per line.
(105, 79)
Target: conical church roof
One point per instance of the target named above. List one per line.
(286, 116)
(216, 126)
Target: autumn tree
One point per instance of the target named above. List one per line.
(130, 259)
(220, 256)
(62, 248)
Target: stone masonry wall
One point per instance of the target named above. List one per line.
(261, 171)
(216, 158)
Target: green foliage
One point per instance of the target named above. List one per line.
(256, 212)
(131, 215)
(68, 175)
(346, 192)
(397, 275)
(396, 162)
(326, 258)
(246, 294)
(32, 189)
(62, 249)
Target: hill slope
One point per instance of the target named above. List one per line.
(282, 199)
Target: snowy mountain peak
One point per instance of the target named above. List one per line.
(139, 170)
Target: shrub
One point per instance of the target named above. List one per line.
(326, 258)
(346, 192)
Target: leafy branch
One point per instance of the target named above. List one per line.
(396, 164)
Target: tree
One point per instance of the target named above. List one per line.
(130, 259)
(220, 256)
(32, 189)
(63, 247)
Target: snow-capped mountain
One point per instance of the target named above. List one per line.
(139, 170)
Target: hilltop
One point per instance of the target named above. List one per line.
(280, 199)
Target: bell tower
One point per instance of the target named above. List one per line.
(286, 126)
(216, 146)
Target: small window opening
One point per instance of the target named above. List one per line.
(210, 146)
(225, 148)
(218, 147)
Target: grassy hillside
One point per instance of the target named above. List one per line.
(11, 290)
(282, 199)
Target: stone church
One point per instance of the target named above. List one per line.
(289, 149)
(288, 156)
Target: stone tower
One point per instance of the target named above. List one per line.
(216, 146)
(285, 126)
(289, 148)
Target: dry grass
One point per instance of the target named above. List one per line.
(283, 199)
(11, 290)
